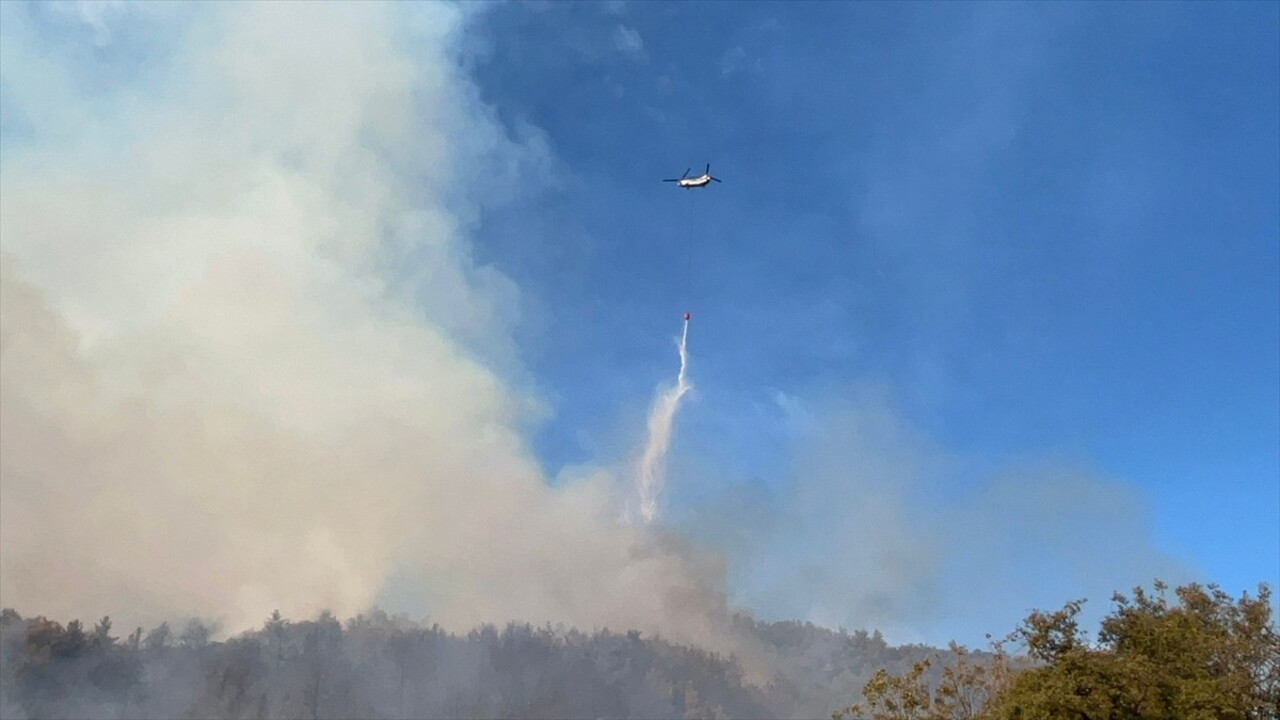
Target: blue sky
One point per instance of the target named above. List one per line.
(986, 311)
(1047, 230)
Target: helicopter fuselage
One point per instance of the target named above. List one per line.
(694, 182)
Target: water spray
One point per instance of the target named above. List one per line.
(652, 470)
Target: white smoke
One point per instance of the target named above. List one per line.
(247, 361)
(652, 473)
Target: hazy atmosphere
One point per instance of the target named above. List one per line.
(365, 307)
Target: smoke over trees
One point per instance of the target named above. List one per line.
(1204, 655)
(379, 666)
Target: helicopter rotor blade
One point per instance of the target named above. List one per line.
(686, 173)
(715, 178)
(671, 180)
(707, 172)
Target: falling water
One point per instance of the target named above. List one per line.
(652, 470)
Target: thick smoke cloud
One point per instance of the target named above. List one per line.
(223, 390)
(247, 363)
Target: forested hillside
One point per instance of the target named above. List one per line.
(377, 666)
(1197, 654)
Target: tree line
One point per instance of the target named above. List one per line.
(379, 666)
(1193, 653)
(373, 667)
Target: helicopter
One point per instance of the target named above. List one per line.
(694, 182)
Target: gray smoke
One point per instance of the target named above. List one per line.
(247, 362)
(222, 392)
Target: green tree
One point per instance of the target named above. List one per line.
(1200, 656)
(1205, 656)
(965, 686)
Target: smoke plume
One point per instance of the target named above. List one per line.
(247, 360)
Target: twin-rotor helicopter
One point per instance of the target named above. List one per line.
(688, 183)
